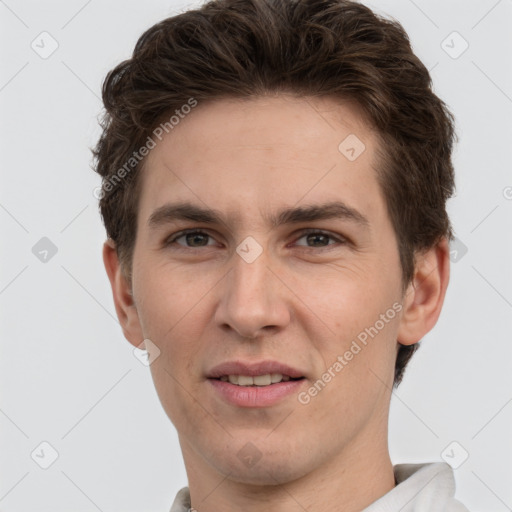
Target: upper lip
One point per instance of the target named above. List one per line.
(253, 368)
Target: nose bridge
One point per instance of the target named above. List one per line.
(252, 299)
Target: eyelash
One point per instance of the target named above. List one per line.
(172, 239)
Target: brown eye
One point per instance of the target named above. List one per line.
(201, 239)
(318, 239)
(193, 239)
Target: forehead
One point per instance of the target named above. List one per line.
(252, 154)
(267, 124)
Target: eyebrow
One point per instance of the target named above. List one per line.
(187, 211)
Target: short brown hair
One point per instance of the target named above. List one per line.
(310, 48)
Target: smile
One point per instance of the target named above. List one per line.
(256, 380)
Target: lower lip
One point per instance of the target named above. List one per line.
(255, 396)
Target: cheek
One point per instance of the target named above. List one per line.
(358, 372)
(166, 297)
(364, 315)
(352, 299)
(172, 316)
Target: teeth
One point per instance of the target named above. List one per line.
(244, 380)
(263, 380)
(258, 380)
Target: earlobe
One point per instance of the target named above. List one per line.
(122, 294)
(425, 294)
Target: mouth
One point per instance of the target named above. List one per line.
(268, 379)
(255, 384)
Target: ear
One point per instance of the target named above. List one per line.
(425, 294)
(123, 298)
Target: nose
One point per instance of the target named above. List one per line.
(254, 301)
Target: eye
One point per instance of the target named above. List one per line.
(319, 239)
(193, 239)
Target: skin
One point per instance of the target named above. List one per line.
(302, 302)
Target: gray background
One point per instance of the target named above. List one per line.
(68, 377)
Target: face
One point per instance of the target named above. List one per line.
(293, 271)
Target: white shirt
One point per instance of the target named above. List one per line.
(426, 487)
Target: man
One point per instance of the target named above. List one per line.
(275, 175)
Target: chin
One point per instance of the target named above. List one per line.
(253, 467)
